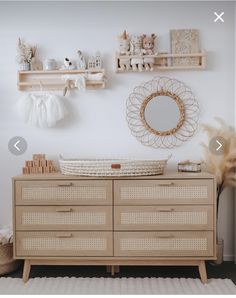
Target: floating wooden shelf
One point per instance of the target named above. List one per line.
(52, 79)
(167, 60)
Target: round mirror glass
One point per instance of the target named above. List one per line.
(162, 113)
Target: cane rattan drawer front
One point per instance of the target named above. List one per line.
(64, 218)
(171, 243)
(165, 192)
(88, 192)
(64, 244)
(163, 217)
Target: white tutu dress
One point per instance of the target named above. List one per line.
(42, 109)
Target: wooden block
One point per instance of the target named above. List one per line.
(46, 170)
(36, 163)
(43, 163)
(53, 169)
(34, 170)
(38, 156)
(25, 170)
(29, 163)
(40, 170)
(49, 163)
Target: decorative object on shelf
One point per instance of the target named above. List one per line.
(112, 167)
(95, 62)
(41, 109)
(142, 55)
(185, 41)
(50, 64)
(124, 50)
(136, 49)
(39, 165)
(148, 49)
(24, 55)
(68, 64)
(79, 80)
(35, 63)
(188, 166)
(81, 63)
(162, 113)
(7, 263)
(223, 166)
(55, 80)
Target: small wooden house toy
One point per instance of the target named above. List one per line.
(95, 62)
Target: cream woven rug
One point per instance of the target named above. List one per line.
(73, 285)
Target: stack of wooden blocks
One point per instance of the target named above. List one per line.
(39, 165)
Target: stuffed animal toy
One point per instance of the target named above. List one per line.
(81, 63)
(68, 64)
(124, 49)
(136, 49)
(148, 49)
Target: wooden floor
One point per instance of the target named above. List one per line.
(226, 270)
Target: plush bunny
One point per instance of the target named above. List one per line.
(136, 49)
(124, 49)
(148, 49)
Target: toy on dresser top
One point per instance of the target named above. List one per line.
(39, 165)
(138, 46)
(189, 166)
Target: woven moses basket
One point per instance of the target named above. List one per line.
(7, 263)
(111, 167)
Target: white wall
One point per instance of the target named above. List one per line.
(97, 126)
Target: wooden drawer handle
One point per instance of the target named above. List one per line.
(63, 209)
(166, 184)
(65, 184)
(165, 210)
(64, 235)
(165, 236)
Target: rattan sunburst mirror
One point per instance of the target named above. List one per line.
(162, 113)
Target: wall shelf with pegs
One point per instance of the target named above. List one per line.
(53, 79)
(167, 61)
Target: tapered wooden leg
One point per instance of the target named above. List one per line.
(117, 269)
(202, 271)
(113, 269)
(26, 270)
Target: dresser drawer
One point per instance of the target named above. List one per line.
(64, 244)
(163, 217)
(89, 192)
(165, 192)
(176, 244)
(64, 218)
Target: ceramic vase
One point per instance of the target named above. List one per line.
(25, 66)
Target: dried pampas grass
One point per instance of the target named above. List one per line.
(222, 166)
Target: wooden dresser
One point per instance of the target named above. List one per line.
(152, 220)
